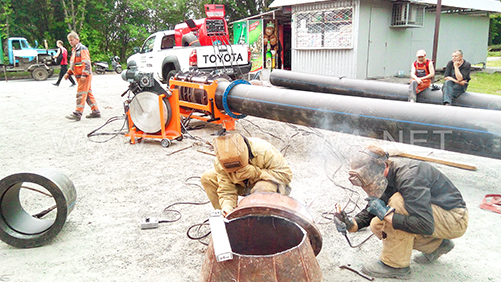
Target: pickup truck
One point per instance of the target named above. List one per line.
(194, 45)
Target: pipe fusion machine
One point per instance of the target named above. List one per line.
(156, 112)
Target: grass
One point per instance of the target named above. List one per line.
(494, 63)
(482, 82)
(494, 54)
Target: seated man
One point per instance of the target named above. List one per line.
(244, 166)
(422, 72)
(456, 76)
(412, 205)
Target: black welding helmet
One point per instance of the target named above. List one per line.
(367, 171)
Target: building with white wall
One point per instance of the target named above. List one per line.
(379, 38)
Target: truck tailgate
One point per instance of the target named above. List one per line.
(224, 55)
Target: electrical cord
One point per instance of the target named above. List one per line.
(110, 120)
(177, 214)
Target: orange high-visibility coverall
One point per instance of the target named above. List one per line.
(80, 66)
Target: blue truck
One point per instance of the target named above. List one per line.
(23, 57)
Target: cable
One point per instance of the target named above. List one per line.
(110, 120)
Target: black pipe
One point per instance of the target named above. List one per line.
(464, 130)
(376, 89)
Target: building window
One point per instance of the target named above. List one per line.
(329, 29)
(406, 14)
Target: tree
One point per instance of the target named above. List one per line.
(74, 12)
(495, 30)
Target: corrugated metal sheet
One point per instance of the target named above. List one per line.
(325, 62)
(482, 5)
(332, 62)
(280, 3)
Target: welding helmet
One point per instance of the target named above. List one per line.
(231, 152)
(367, 171)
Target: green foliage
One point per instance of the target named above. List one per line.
(494, 54)
(108, 27)
(495, 30)
(482, 82)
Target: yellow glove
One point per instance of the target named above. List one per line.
(248, 172)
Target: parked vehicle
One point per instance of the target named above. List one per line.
(202, 44)
(102, 67)
(23, 57)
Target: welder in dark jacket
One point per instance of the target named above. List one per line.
(412, 205)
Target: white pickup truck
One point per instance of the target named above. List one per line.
(160, 55)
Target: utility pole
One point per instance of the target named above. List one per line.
(437, 28)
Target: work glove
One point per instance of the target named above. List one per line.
(248, 172)
(341, 216)
(378, 208)
(340, 226)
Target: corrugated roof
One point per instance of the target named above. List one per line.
(481, 5)
(280, 3)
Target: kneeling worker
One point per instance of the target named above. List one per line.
(244, 166)
(412, 205)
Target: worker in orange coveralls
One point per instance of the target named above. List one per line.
(80, 67)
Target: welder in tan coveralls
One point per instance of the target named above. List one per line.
(244, 166)
(80, 66)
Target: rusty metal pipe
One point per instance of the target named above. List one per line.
(376, 89)
(465, 130)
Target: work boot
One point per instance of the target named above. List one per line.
(55, 84)
(94, 115)
(381, 270)
(74, 116)
(74, 84)
(445, 247)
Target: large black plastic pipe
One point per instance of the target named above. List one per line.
(376, 89)
(464, 130)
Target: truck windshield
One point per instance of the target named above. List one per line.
(148, 45)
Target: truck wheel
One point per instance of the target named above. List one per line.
(39, 74)
(190, 39)
(170, 75)
(118, 69)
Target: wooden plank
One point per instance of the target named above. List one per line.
(434, 160)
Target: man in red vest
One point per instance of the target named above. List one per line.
(422, 72)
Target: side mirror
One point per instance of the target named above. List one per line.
(135, 50)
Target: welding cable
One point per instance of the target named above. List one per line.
(330, 216)
(110, 120)
(199, 226)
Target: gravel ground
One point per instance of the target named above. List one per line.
(118, 184)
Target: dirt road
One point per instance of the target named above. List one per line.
(118, 184)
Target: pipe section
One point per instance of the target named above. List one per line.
(376, 89)
(465, 130)
(20, 229)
